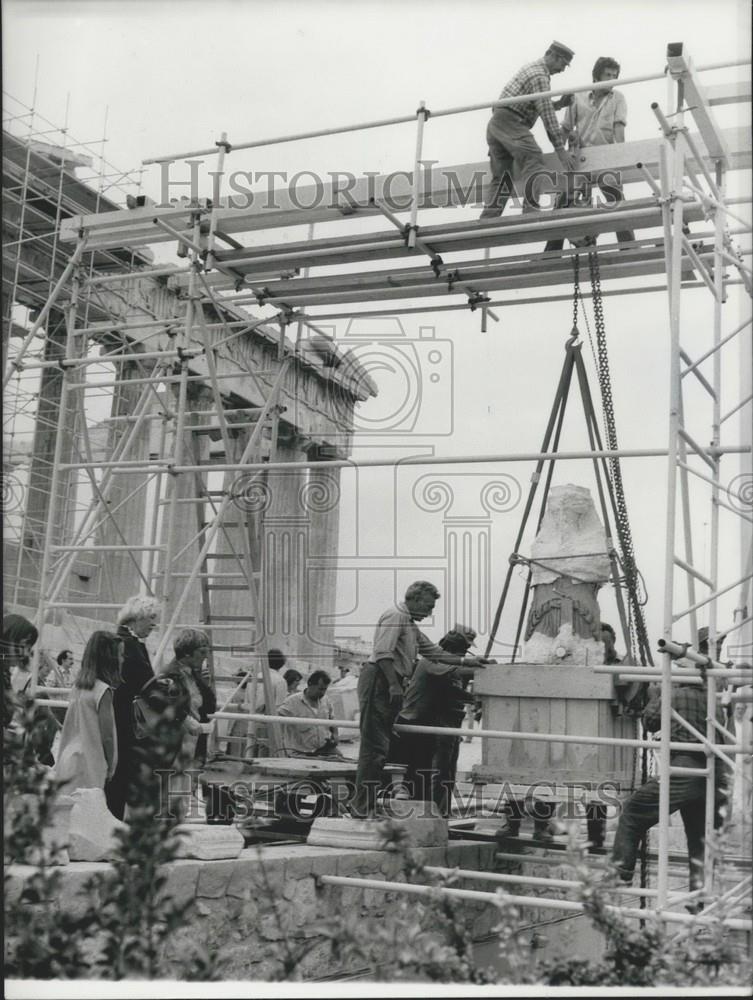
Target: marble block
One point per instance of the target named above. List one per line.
(373, 834)
(209, 843)
(569, 563)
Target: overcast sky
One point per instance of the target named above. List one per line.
(172, 76)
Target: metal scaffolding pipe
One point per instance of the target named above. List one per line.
(15, 363)
(712, 597)
(492, 734)
(101, 360)
(683, 676)
(462, 109)
(683, 650)
(377, 463)
(500, 899)
(156, 272)
(554, 883)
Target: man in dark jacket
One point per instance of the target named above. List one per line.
(436, 696)
(172, 734)
(136, 620)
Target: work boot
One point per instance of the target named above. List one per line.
(507, 828)
(542, 830)
(583, 242)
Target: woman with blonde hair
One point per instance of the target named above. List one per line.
(136, 620)
(88, 745)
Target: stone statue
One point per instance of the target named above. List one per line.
(569, 563)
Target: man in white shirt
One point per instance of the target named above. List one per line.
(256, 733)
(598, 118)
(398, 642)
(311, 703)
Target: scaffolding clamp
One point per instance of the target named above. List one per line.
(224, 144)
(476, 299)
(423, 111)
(407, 229)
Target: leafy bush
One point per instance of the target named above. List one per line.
(654, 955)
(129, 919)
(427, 938)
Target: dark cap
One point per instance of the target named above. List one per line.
(466, 633)
(562, 50)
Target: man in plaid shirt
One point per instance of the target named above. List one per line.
(687, 792)
(509, 137)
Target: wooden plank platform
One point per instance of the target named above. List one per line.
(459, 184)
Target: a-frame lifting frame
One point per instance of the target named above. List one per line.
(686, 181)
(573, 364)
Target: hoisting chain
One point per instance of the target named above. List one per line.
(635, 604)
(576, 296)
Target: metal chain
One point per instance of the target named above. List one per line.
(576, 295)
(635, 605)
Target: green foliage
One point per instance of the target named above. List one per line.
(39, 941)
(426, 938)
(136, 918)
(653, 955)
(126, 927)
(128, 921)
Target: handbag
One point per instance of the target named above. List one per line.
(153, 706)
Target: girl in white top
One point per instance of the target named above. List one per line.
(88, 746)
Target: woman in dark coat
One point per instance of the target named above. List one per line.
(136, 620)
(176, 706)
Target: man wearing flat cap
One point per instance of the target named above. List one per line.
(508, 134)
(436, 696)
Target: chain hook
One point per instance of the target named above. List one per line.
(575, 332)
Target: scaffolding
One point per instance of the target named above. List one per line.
(686, 177)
